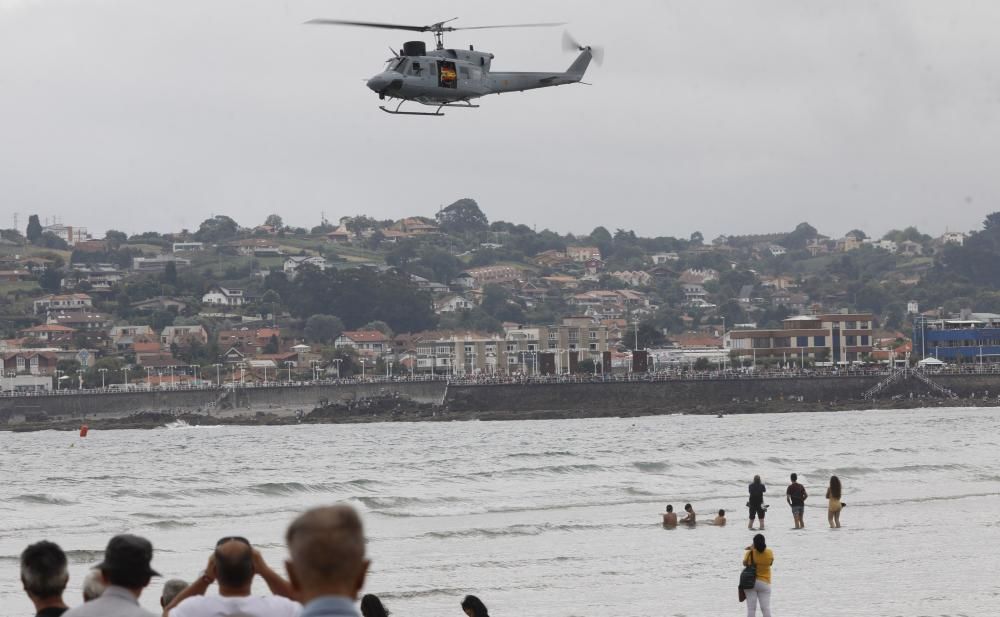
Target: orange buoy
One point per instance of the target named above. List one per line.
(83, 430)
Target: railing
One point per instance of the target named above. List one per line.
(888, 376)
(936, 387)
(892, 378)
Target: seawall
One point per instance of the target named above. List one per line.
(511, 400)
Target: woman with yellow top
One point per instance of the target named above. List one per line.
(761, 557)
(833, 495)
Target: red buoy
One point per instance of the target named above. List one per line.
(83, 430)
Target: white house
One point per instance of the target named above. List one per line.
(366, 341)
(293, 263)
(224, 296)
(452, 303)
(662, 258)
(63, 302)
(776, 250)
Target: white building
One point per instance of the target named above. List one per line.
(292, 264)
(224, 296)
(71, 235)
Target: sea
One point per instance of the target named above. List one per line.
(545, 518)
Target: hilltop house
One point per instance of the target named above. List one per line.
(224, 296)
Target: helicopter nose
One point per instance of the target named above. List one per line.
(379, 82)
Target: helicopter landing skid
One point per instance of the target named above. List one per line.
(436, 112)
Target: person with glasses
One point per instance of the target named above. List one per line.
(233, 565)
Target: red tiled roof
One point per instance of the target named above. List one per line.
(365, 336)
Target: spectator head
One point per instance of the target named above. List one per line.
(327, 553)
(670, 508)
(795, 477)
(371, 606)
(759, 543)
(756, 480)
(44, 571)
(234, 563)
(170, 590)
(687, 507)
(474, 607)
(126, 562)
(93, 585)
(722, 513)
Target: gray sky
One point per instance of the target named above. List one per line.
(725, 117)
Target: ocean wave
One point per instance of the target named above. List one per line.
(44, 499)
(84, 555)
(651, 467)
(286, 488)
(544, 470)
(540, 454)
(171, 524)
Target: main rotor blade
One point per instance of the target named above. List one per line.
(368, 24)
(538, 25)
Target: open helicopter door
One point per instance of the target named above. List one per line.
(447, 74)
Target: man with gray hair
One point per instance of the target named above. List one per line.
(44, 574)
(93, 585)
(170, 590)
(327, 568)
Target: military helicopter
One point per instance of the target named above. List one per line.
(454, 77)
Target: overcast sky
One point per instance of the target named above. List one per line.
(733, 117)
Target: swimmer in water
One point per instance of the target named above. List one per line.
(690, 518)
(720, 519)
(670, 517)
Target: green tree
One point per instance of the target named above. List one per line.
(380, 326)
(799, 237)
(697, 238)
(51, 241)
(115, 239)
(170, 273)
(274, 220)
(463, 216)
(34, 230)
(323, 328)
(217, 229)
(273, 345)
(51, 280)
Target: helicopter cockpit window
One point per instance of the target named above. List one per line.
(415, 68)
(400, 66)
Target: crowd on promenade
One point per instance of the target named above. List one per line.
(487, 379)
(326, 567)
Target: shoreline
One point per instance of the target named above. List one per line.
(395, 410)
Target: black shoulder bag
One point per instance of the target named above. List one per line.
(748, 577)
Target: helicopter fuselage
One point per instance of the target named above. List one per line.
(443, 76)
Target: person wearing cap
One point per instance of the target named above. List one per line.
(126, 571)
(327, 568)
(44, 575)
(233, 565)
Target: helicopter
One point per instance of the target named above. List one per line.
(455, 77)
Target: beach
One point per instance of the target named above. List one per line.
(547, 517)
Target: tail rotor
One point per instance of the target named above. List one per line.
(571, 44)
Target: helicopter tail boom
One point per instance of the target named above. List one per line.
(517, 81)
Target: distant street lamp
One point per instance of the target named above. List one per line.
(125, 370)
(289, 364)
(336, 362)
(103, 372)
(218, 374)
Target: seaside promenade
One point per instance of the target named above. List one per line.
(518, 396)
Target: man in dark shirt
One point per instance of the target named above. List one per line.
(796, 496)
(44, 575)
